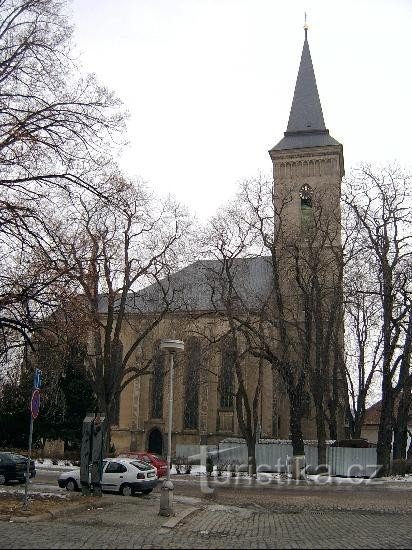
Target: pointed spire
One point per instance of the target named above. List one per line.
(306, 126)
(306, 112)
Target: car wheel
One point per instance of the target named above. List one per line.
(126, 490)
(2, 479)
(147, 491)
(71, 485)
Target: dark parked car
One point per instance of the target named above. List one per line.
(13, 467)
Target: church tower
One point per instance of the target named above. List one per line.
(307, 162)
(308, 167)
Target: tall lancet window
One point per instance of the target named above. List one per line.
(227, 374)
(158, 370)
(306, 210)
(192, 371)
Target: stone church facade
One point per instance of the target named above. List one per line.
(307, 160)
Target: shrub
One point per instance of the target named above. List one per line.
(178, 463)
(222, 466)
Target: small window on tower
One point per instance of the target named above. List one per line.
(306, 212)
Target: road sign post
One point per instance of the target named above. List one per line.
(37, 379)
(34, 413)
(92, 450)
(35, 403)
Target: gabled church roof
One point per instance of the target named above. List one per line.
(306, 126)
(199, 287)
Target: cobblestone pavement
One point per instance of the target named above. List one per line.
(134, 523)
(300, 498)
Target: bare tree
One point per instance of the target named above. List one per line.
(228, 297)
(118, 252)
(57, 128)
(363, 337)
(54, 122)
(380, 201)
(317, 269)
(296, 323)
(252, 229)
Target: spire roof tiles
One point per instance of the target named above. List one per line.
(306, 126)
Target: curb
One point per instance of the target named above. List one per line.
(172, 522)
(54, 514)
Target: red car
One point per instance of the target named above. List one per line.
(155, 460)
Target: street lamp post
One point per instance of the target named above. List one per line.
(166, 495)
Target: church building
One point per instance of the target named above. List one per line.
(306, 161)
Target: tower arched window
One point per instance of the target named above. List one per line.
(192, 375)
(158, 375)
(306, 207)
(227, 374)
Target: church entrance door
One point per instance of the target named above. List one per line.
(155, 442)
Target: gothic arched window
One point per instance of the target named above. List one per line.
(192, 371)
(158, 366)
(306, 210)
(227, 374)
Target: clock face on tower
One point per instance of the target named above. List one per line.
(306, 192)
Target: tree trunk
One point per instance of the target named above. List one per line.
(275, 406)
(384, 445)
(321, 433)
(251, 453)
(409, 452)
(400, 440)
(358, 423)
(400, 436)
(295, 422)
(333, 422)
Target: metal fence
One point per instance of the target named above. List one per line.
(276, 457)
(347, 462)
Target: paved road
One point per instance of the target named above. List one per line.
(136, 524)
(240, 516)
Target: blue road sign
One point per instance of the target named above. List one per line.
(37, 379)
(35, 403)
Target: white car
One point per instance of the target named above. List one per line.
(125, 475)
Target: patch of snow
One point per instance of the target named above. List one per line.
(268, 441)
(201, 471)
(47, 464)
(42, 494)
(196, 470)
(404, 479)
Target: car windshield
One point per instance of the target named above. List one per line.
(141, 465)
(13, 456)
(157, 457)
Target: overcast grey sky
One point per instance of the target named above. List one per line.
(209, 83)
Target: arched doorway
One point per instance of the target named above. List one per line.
(155, 441)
